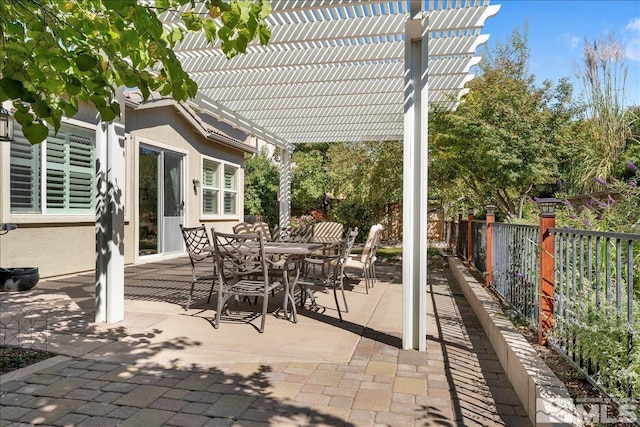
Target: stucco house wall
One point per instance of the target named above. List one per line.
(166, 127)
(56, 244)
(65, 244)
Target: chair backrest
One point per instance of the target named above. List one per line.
(347, 245)
(242, 228)
(279, 234)
(239, 256)
(263, 227)
(373, 239)
(327, 229)
(196, 241)
(301, 233)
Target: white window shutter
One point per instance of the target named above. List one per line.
(24, 175)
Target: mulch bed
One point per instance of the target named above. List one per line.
(12, 358)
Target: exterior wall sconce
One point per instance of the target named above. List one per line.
(6, 125)
(196, 184)
(547, 206)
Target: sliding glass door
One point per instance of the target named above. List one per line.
(161, 201)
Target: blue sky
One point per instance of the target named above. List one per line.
(557, 30)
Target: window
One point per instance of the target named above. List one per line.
(56, 176)
(215, 195)
(230, 190)
(24, 181)
(210, 187)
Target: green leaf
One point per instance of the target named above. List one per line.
(210, 31)
(36, 26)
(14, 27)
(252, 25)
(264, 33)
(16, 47)
(165, 89)
(266, 9)
(11, 89)
(60, 63)
(86, 62)
(69, 110)
(123, 6)
(192, 21)
(107, 114)
(162, 4)
(73, 86)
(241, 42)
(192, 88)
(55, 119)
(41, 108)
(175, 36)
(23, 117)
(244, 12)
(178, 93)
(115, 107)
(231, 18)
(98, 101)
(35, 132)
(144, 88)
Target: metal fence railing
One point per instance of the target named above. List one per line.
(597, 307)
(516, 267)
(479, 245)
(461, 243)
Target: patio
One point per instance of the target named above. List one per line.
(165, 366)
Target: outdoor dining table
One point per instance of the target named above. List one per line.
(294, 254)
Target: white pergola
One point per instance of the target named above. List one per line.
(345, 71)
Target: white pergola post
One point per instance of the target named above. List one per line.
(414, 233)
(110, 186)
(285, 187)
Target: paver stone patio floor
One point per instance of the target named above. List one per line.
(163, 365)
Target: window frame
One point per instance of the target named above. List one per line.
(47, 214)
(221, 189)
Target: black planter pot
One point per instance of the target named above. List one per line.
(18, 279)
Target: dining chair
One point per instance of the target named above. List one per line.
(242, 228)
(366, 261)
(334, 264)
(262, 227)
(327, 229)
(242, 270)
(299, 233)
(198, 246)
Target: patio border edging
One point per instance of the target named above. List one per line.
(542, 394)
(35, 367)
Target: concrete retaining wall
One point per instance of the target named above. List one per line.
(537, 387)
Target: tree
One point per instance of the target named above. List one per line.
(505, 141)
(386, 187)
(350, 168)
(309, 179)
(261, 183)
(365, 178)
(55, 54)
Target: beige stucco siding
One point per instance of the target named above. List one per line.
(55, 250)
(56, 244)
(61, 245)
(164, 128)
